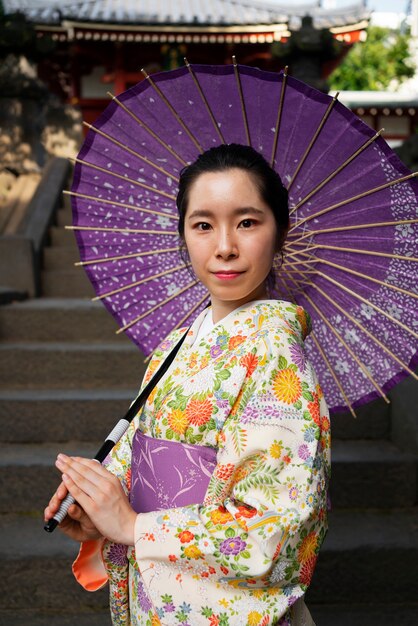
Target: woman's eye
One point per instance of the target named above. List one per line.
(203, 226)
(247, 223)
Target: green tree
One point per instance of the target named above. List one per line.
(376, 63)
(18, 36)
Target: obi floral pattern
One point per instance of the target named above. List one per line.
(247, 552)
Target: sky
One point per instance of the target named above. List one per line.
(376, 5)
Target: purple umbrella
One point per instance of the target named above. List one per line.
(350, 257)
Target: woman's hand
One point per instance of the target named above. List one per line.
(76, 524)
(101, 496)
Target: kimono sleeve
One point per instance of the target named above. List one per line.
(264, 516)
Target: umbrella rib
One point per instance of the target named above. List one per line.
(148, 129)
(336, 171)
(354, 198)
(127, 149)
(134, 255)
(356, 273)
(172, 109)
(367, 332)
(140, 282)
(136, 231)
(241, 97)
(319, 246)
(179, 324)
(279, 116)
(109, 172)
(328, 364)
(203, 97)
(154, 308)
(192, 310)
(310, 233)
(347, 347)
(366, 301)
(333, 374)
(314, 138)
(121, 204)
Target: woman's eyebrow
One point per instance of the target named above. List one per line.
(238, 211)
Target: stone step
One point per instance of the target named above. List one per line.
(37, 567)
(376, 564)
(368, 556)
(58, 319)
(369, 475)
(60, 236)
(363, 614)
(58, 617)
(323, 615)
(34, 478)
(372, 421)
(60, 258)
(36, 416)
(71, 283)
(64, 217)
(70, 365)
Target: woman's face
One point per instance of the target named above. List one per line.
(231, 236)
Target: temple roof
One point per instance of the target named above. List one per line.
(197, 13)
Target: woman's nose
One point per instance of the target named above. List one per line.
(226, 245)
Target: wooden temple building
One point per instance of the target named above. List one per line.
(101, 45)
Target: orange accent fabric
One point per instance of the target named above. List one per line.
(88, 568)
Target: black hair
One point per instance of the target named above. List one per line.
(236, 156)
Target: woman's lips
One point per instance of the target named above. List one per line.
(227, 275)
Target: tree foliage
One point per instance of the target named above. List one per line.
(382, 60)
(18, 36)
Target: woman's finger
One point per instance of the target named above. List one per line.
(89, 469)
(55, 502)
(78, 493)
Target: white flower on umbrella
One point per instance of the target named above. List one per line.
(394, 310)
(342, 367)
(405, 229)
(164, 222)
(350, 335)
(367, 311)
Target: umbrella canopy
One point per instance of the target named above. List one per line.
(350, 256)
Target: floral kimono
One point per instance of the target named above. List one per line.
(243, 549)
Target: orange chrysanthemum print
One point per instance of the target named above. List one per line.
(128, 478)
(221, 516)
(314, 410)
(245, 511)
(303, 320)
(325, 423)
(199, 412)
(177, 421)
(235, 341)
(223, 472)
(307, 571)
(308, 547)
(286, 386)
(185, 536)
(250, 362)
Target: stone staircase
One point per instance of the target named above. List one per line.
(65, 377)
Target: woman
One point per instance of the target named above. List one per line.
(231, 535)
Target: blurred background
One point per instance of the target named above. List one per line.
(65, 375)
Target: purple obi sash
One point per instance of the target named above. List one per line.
(168, 474)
